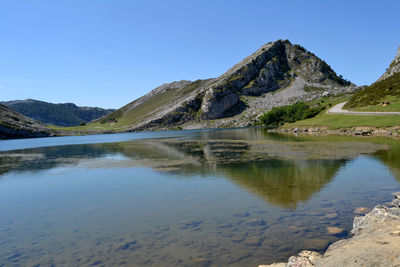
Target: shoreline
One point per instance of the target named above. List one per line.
(375, 242)
(353, 131)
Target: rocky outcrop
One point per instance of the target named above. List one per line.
(279, 73)
(375, 242)
(393, 68)
(274, 66)
(15, 125)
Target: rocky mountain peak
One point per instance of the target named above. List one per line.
(274, 66)
(278, 73)
(393, 68)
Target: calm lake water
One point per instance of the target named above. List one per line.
(237, 197)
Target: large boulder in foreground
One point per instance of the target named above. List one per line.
(376, 242)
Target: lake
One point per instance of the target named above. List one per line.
(237, 197)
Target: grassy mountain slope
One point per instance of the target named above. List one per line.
(386, 88)
(66, 114)
(15, 125)
(377, 92)
(160, 102)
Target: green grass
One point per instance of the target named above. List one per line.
(235, 77)
(336, 121)
(392, 107)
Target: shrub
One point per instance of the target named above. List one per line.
(291, 113)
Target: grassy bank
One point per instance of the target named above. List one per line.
(336, 121)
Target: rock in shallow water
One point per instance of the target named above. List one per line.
(128, 245)
(331, 215)
(256, 222)
(253, 241)
(334, 230)
(190, 224)
(361, 210)
(396, 201)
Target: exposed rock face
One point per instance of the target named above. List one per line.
(376, 242)
(275, 65)
(278, 73)
(393, 68)
(15, 125)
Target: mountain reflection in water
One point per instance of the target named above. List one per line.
(282, 170)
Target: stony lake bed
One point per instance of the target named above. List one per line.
(237, 197)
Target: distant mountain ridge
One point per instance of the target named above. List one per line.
(67, 114)
(279, 73)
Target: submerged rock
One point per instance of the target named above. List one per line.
(256, 222)
(334, 230)
(190, 224)
(361, 210)
(253, 241)
(332, 215)
(132, 245)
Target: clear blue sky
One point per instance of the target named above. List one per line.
(109, 52)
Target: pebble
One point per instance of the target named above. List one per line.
(396, 233)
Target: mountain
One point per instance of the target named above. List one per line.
(279, 73)
(67, 114)
(385, 88)
(15, 125)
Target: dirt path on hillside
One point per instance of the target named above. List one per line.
(338, 109)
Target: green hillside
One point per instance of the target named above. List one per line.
(372, 96)
(148, 106)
